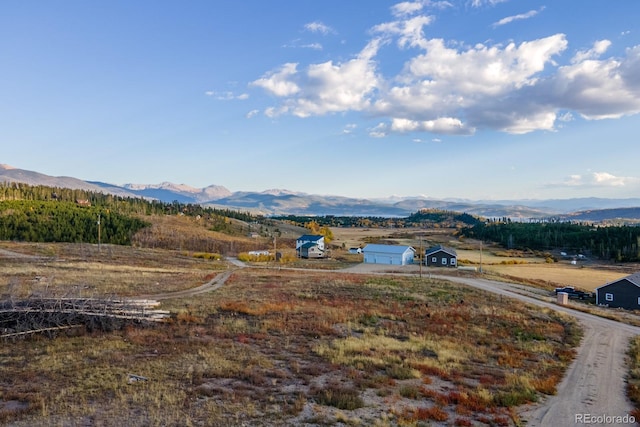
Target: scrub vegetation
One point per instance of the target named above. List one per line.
(289, 348)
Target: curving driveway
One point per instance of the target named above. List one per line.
(593, 389)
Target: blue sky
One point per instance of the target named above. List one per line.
(476, 99)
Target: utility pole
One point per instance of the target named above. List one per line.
(421, 257)
(99, 247)
(275, 249)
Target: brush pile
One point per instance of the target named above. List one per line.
(49, 316)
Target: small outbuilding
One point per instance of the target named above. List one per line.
(621, 293)
(388, 254)
(440, 256)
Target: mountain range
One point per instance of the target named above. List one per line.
(285, 202)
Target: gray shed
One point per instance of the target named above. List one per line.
(621, 293)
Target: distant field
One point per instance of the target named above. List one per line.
(520, 265)
(561, 274)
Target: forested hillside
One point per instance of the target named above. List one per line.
(53, 221)
(45, 214)
(619, 243)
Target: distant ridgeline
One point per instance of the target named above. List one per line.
(618, 243)
(423, 218)
(46, 214)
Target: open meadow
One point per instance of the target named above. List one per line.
(304, 342)
(274, 347)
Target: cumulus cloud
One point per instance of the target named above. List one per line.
(596, 51)
(280, 82)
(510, 19)
(600, 179)
(407, 8)
(598, 88)
(448, 87)
(324, 88)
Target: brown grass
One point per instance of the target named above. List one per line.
(89, 270)
(279, 347)
(560, 274)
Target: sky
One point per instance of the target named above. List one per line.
(471, 99)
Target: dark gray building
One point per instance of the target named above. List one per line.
(621, 293)
(440, 256)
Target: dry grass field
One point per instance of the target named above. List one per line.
(274, 347)
(83, 270)
(557, 275)
(277, 346)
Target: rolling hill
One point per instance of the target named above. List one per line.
(282, 202)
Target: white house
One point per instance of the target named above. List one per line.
(388, 254)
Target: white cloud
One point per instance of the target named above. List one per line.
(480, 3)
(483, 69)
(409, 31)
(252, 113)
(596, 51)
(565, 117)
(600, 179)
(598, 88)
(447, 87)
(227, 96)
(609, 180)
(280, 82)
(319, 27)
(349, 128)
(326, 87)
(379, 131)
(316, 46)
(296, 44)
(443, 125)
(407, 8)
(519, 17)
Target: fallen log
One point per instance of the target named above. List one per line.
(36, 331)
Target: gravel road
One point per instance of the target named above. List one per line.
(593, 389)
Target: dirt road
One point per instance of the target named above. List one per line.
(592, 391)
(211, 285)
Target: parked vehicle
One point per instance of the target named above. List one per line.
(574, 293)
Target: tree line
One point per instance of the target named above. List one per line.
(51, 214)
(618, 243)
(422, 218)
(52, 221)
